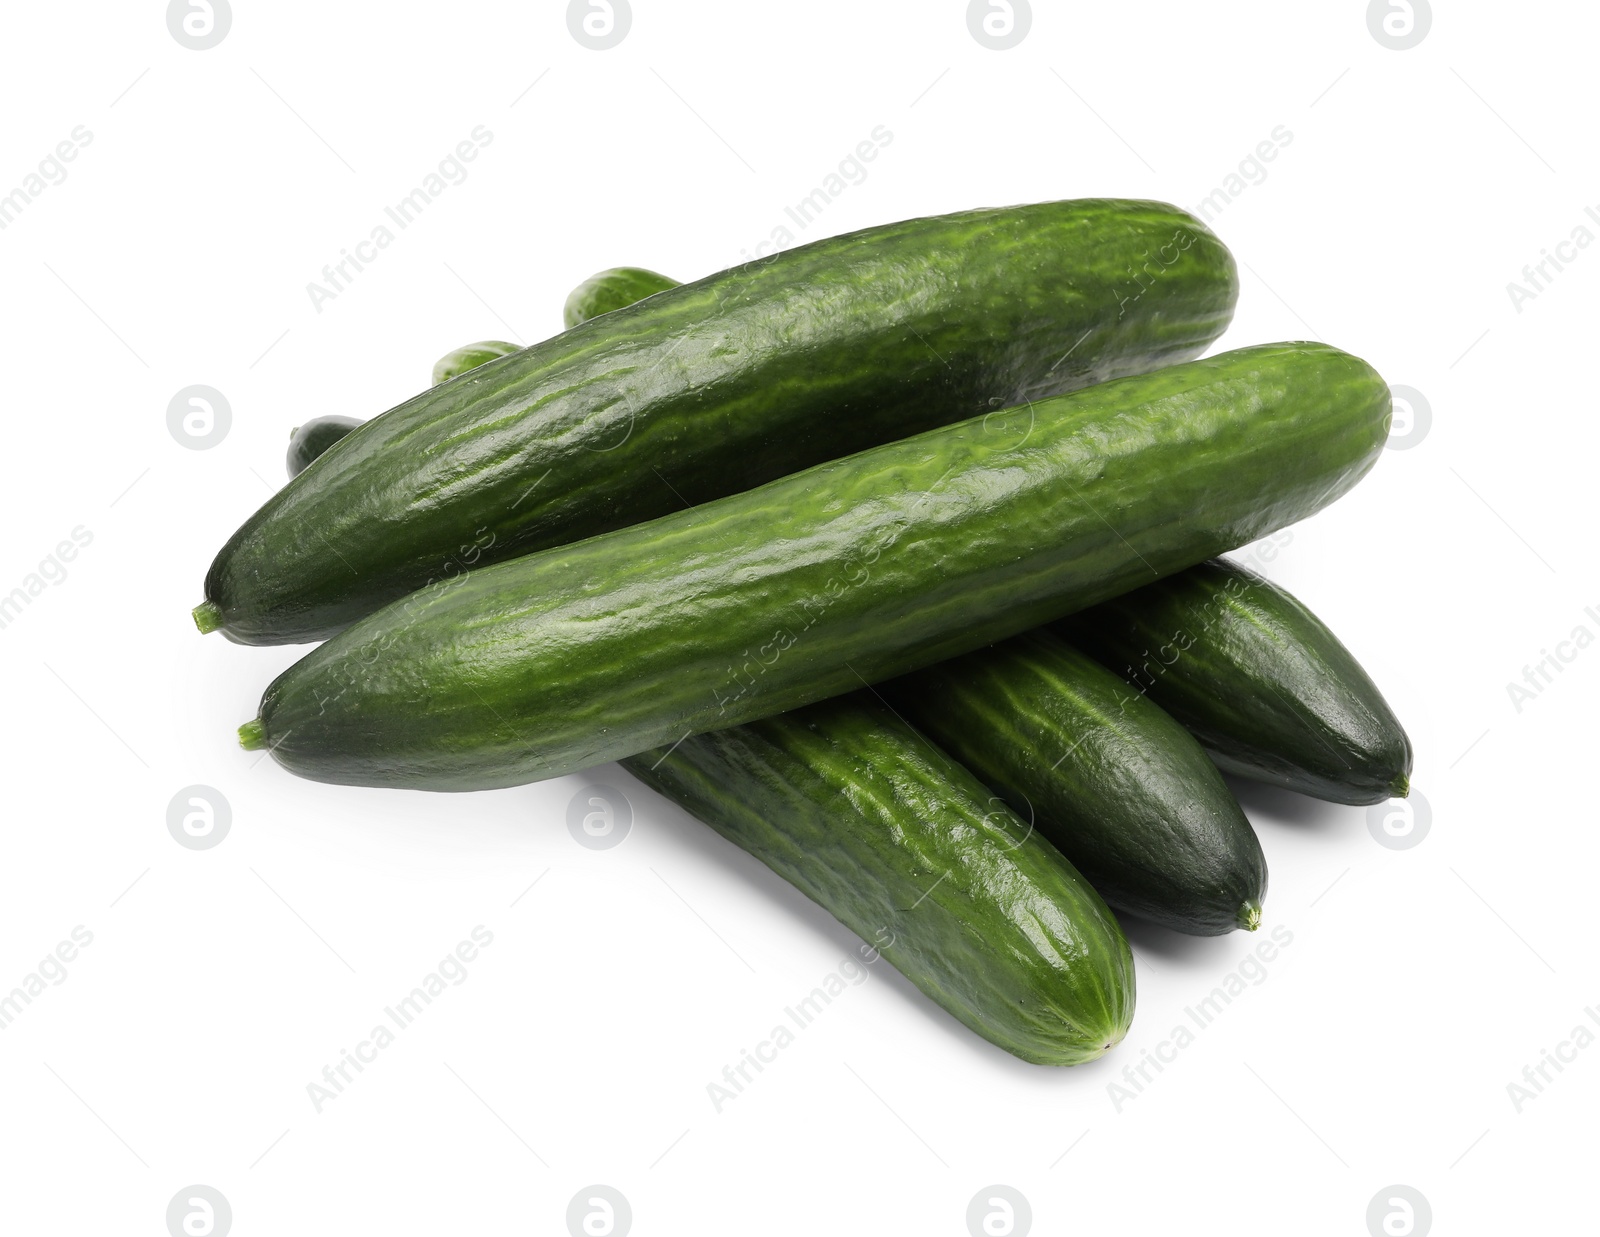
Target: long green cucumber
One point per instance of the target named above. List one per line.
(616, 288)
(902, 845)
(1130, 798)
(850, 572)
(1258, 678)
(719, 385)
(1121, 789)
(1265, 684)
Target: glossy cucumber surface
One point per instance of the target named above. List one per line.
(848, 573)
(1119, 787)
(1294, 708)
(901, 844)
(716, 386)
(1257, 677)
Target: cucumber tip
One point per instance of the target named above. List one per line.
(207, 617)
(1401, 786)
(253, 735)
(1250, 916)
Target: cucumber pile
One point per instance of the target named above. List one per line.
(893, 558)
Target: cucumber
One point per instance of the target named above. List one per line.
(1258, 679)
(1120, 788)
(310, 440)
(617, 288)
(902, 845)
(1138, 806)
(470, 356)
(1292, 708)
(847, 573)
(716, 386)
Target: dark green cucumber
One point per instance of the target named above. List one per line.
(1120, 788)
(310, 440)
(1258, 678)
(902, 845)
(617, 288)
(470, 356)
(719, 385)
(850, 572)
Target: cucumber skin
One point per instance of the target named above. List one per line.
(312, 439)
(902, 845)
(470, 356)
(1264, 685)
(716, 386)
(765, 601)
(1120, 788)
(1142, 811)
(616, 288)
(1303, 670)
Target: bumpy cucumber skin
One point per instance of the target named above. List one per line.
(617, 288)
(310, 440)
(903, 846)
(1123, 791)
(1139, 807)
(851, 572)
(470, 356)
(716, 386)
(1257, 678)
(1326, 731)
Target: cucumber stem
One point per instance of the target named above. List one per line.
(1250, 916)
(207, 617)
(253, 735)
(1400, 787)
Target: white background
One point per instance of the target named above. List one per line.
(220, 982)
